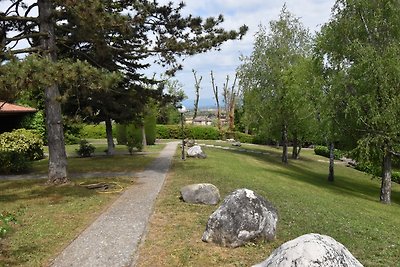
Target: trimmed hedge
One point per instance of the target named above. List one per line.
(18, 148)
(198, 132)
(94, 131)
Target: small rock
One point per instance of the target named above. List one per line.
(311, 250)
(200, 194)
(244, 216)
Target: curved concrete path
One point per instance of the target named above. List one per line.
(113, 239)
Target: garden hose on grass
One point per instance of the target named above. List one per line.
(103, 187)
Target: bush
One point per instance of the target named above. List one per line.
(244, 138)
(121, 134)
(27, 142)
(150, 123)
(190, 131)
(93, 131)
(396, 177)
(324, 151)
(202, 132)
(18, 148)
(36, 122)
(13, 162)
(85, 149)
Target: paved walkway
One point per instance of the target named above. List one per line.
(113, 239)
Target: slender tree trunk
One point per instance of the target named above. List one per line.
(197, 91)
(110, 139)
(294, 150)
(57, 156)
(285, 144)
(144, 141)
(386, 186)
(331, 175)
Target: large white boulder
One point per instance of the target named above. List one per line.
(244, 216)
(200, 194)
(196, 151)
(311, 250)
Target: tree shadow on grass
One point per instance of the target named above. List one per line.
(14, 190)
(342, 184)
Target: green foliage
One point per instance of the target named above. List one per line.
(85, 149)
(244, 138)
(324, 151)
(6, 221)
(18, 149)
(36, 122)
(121, 134)
(202, 132)
(150, 122)
(279, 83)
(134, 138)
(27, 142)
(13, 162)
(93, 131)
(72, 131)
(190, 131)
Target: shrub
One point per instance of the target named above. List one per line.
(13, 162)
(150, 123)
(85, 149)
(396, 177)
(93, 131)
(190, 131)
(36, 122)
(27, 142)
(134, 138)
(244, 138)
(324, 151)
(121, 134)
(202, 132)
(18, 148)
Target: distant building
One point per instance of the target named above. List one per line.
(202, 120)
(11, 116)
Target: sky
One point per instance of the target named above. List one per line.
(312, 13)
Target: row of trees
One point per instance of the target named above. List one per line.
(113, 41)
(340, 87)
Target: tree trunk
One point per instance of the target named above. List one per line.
(110, 139)
(386, 186)
(285, 144)
(294, 150)
(331, 175)
(144, 141)
(57, 156)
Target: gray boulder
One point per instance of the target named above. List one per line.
(200, 194)
(196, 151)
(244, 216)
(311, 250)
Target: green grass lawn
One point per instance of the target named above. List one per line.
(121, 162)
(49, 217)
(348, 209)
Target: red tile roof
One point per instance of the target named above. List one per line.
(11, 108)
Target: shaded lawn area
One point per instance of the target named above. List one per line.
(49, 217)
(348, 209)
(102, 163)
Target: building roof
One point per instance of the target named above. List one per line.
(7, 108)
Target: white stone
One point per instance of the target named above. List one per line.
(311, 250)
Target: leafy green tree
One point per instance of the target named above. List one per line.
(362, 44)
(276, 89)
